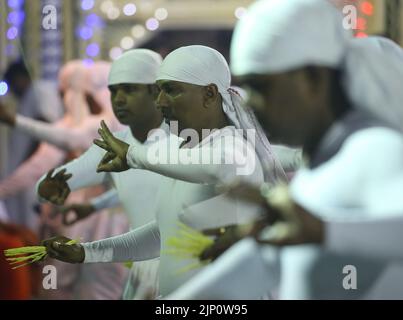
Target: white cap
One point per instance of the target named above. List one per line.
(135, 66)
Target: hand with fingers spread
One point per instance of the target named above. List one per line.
(116, 151)
(80, 211)
(7, 116)
(57, 248)
(55, 189)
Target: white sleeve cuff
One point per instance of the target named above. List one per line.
(94, 254)
(131, 157)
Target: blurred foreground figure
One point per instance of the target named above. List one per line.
(340, 99)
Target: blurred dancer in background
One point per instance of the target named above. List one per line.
(84, 90)
(36, 99)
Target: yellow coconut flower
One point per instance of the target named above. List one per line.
(23, 256)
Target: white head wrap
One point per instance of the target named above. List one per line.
(201, 65)
(135, 66)
(276, 36)
(373, 76)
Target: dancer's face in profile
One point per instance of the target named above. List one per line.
(188, 104)
(133, 103)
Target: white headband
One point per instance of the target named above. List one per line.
(135, 66)
(280, 35)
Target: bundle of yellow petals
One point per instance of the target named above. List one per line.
(26, 255)
(188, 244)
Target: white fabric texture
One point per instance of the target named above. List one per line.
(132, 186)
(372, 77)
(135, 66)
(201, 65)
(148, 286)
(139, 244)
(166, 158)
(215, 282)
(378, 238)
(354, 187)
(174, 196)
(109, 199)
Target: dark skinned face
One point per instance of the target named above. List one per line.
(182, 102)
(287, 105)
(132, 103)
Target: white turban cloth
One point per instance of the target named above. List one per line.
(276, 36)
(135, 66)
(201, 65)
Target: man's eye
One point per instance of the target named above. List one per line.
(128, 89)
(171, 91)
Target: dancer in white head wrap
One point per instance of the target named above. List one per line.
(215, 70)
(132, 83)
(348, 175)
(195, 71)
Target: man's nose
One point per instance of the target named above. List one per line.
(161, 101)
(120, 97)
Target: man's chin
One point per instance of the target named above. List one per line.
(124, 121)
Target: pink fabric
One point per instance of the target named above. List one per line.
(79, 127)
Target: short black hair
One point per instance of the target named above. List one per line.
(16, 69)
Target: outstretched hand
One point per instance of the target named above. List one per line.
(55, 189)
(58, 248)
(116, 150)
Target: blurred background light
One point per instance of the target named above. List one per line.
(152, 24)
(129, 9)
(3, 88)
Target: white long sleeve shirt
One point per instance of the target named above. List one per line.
(361, 182)
(133, 187)
(188, 185)
(71, 138)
